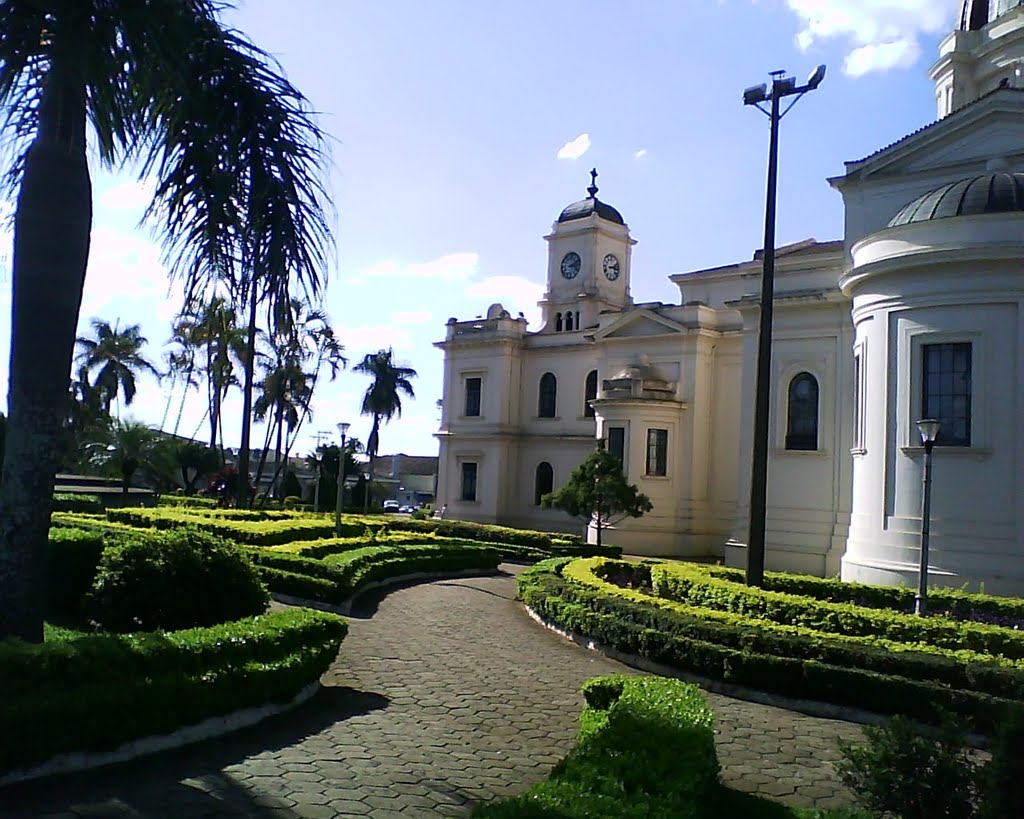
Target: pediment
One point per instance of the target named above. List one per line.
(639, 323)
(989, 128)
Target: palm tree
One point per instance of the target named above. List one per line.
(163, 86)
(115, 355)
(127, 448)
(382, 399)
(285, 393)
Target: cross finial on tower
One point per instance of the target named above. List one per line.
(592, 190)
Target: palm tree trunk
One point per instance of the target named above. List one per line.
(263, 459)
(243, 499)
(55, 200)
(277, 453)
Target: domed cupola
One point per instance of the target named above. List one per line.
(976, 14)
(988, 193)
(591, 205)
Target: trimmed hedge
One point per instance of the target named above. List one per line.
(338, 577)
(72, 557)
(787, 660)
(646, 747)
(73, 502)
(98, 692)
(695, 585)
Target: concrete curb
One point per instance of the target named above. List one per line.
(207, 729)
(345, 608)
(812, 708)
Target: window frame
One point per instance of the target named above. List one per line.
(466, 396)
(860, 401)
(588, 411)
(659, 448)
(944, 438)
(621, 434)
(463, 482)
(796, 442)
(538, 491)
(552, 393)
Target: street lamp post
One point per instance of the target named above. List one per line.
(343, 429)
(929, 429)
(781, 86)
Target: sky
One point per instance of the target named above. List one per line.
(460, 129)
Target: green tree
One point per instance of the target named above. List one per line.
(127, 448)
(163, 86)
(383, 398)
(284, 396)
(194, 463)
(116, 358)
(597, 493)
(324, 462)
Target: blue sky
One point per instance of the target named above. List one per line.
(447, 120)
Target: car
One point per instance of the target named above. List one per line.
(406, 510)
(391, 506)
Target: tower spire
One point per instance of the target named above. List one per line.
(592, 190)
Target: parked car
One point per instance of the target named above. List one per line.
(406, 510)
(391, 506)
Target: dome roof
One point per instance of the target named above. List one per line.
(976, 14)
(591, 205)
(988, 193)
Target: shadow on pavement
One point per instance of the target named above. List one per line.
(367, 604)
(189, 781)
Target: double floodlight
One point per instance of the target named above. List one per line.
(782, 86)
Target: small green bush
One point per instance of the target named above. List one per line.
(173, 580)
(1002, 779)
(900, 771)
(72, 558)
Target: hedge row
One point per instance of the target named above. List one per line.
(73, 502)
(645, 748)
(97, 692)
(955, 602)
(696, 585)
(338, 577)
(787, 660)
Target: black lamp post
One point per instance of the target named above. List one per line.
(343, 429)
(781, 86)
(929, 429)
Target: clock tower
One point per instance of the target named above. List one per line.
(589, 250)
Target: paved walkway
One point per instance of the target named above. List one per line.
(443, 695)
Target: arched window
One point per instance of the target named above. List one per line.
(589, 393)
(568, 321)
(544, 483)
(548, 394)
(802, 417)
(578, 326)
(558, 322)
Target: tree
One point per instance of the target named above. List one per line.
(324, 463)
(597, 493)
(128, 447)
(194, 461)
(383, 398)
(115, 355)
(163, 86)
(285, 394)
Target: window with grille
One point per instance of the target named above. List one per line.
(946, 391)
(617, 444)
(802, 415)
(468, 481)
(657, 452)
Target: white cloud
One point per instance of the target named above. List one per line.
(412, 317)
(359, 341)
(515, 293)
(640, 154)
(453, 267)
(131, 194)
(880, 34)
(126, 268)
(575, 148)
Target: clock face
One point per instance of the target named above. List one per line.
(571, 265)
(611, 267)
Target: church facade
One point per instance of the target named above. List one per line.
(918, 312)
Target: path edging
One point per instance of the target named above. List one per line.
(345, 608)
(71, 761)
(812, 708)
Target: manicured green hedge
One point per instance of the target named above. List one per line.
(788, 660)
(646, 747)
(187, 501)
(72, 556)
(73, 502)
(338, 577)
(97, 692)
(696, 585)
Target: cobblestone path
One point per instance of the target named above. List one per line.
(443, 695)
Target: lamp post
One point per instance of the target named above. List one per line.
(929, 429)
(343, 429)
(781, 86)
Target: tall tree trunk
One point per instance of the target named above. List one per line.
(263, 459)
(243, 500)
(51, 249)
(274, 485)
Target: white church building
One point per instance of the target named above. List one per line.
(918, 312)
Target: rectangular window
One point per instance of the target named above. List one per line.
(617, 444)
(657, 452)
(946, 391)
(858, 400)
(472, 397)
(468, 481)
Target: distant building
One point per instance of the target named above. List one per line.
(409, 479)
(918, 312)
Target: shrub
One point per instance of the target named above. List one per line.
(902, 772)
(173, 580)
(97, 692)
(72, 558)
(73, 502)
(1002, 779)
(645, 748)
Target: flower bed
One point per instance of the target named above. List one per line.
(879, 673)
(97, 692)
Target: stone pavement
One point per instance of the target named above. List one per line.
(444, 694)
